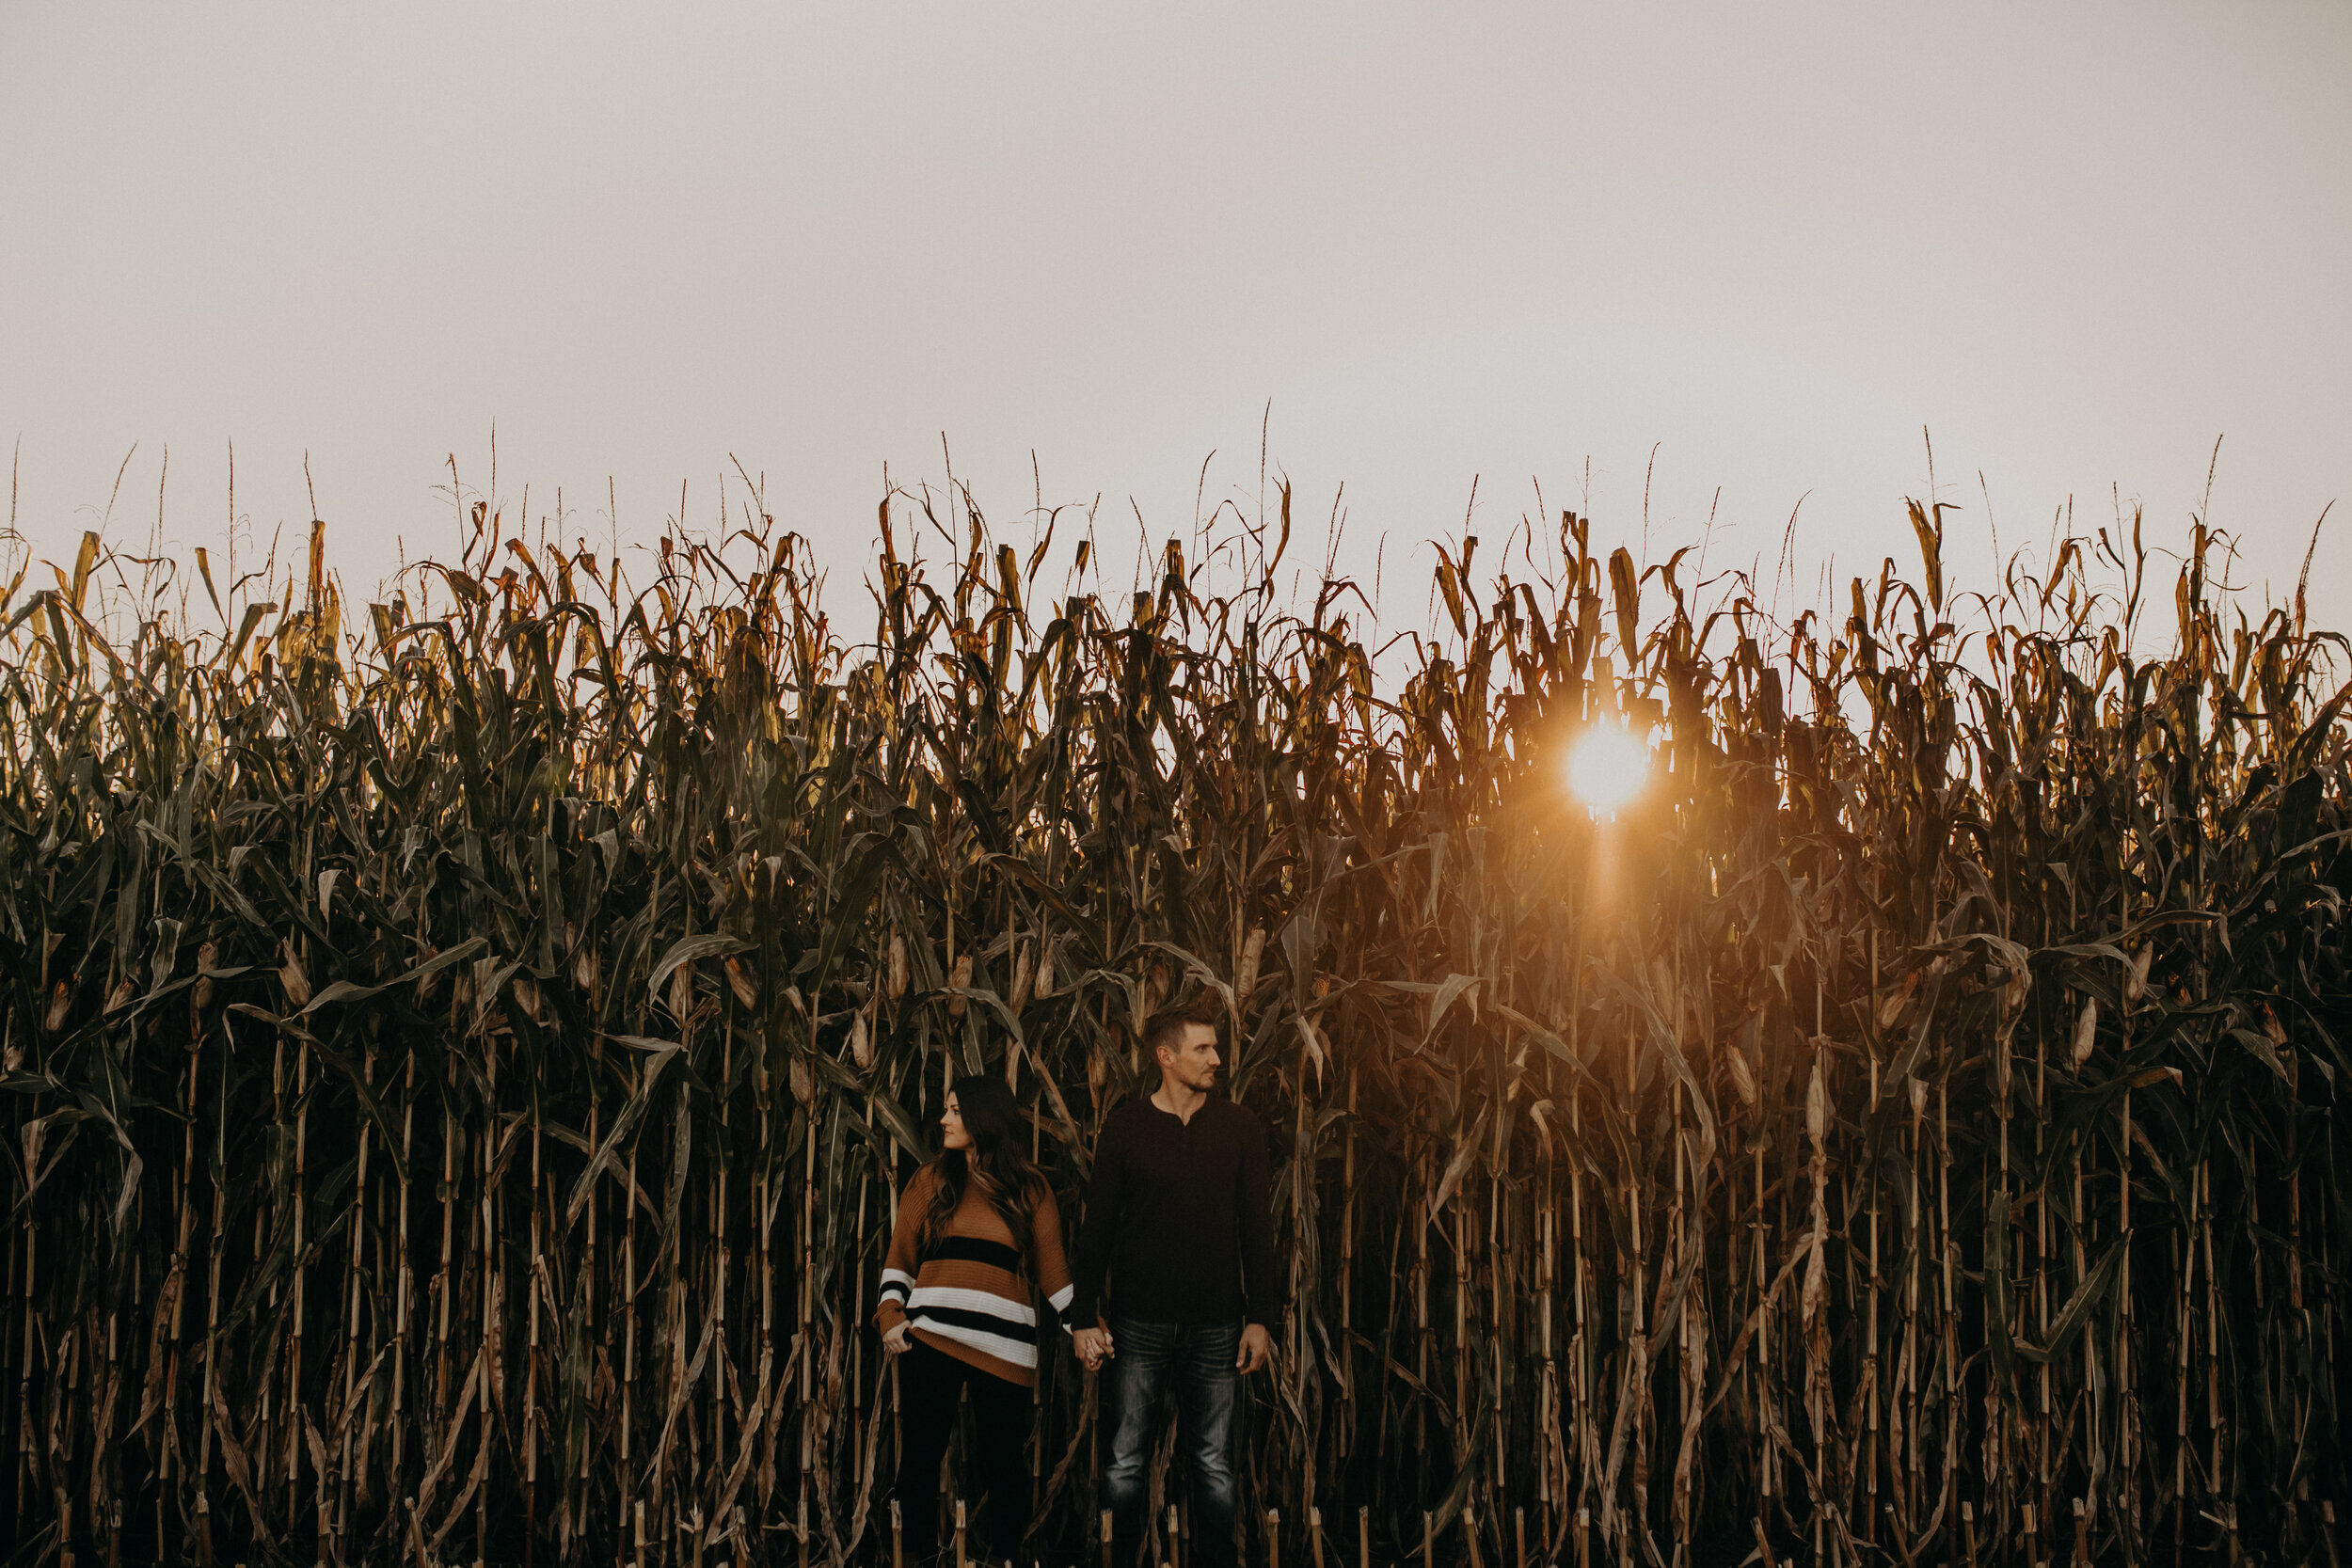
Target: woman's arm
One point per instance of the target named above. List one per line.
(900, 1265)
(1053, 1266)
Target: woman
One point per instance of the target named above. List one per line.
(977, 1238)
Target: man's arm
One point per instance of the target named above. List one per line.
(1263, 1285)
(1053, 1267)
(1098, 1235)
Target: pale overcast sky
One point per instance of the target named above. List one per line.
(2077, 243)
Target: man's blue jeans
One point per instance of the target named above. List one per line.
(1196, 1359)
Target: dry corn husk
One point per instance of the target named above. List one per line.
(1896, 1002)
(1816, 1107)
(1245, 976)
(2086, 1031)
(1742, 1080)
(1024, 972)
(295, 982)
(958, 978)
(740, 981)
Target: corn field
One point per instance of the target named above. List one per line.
(462, 1058)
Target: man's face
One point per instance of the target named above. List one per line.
(1193, 1061)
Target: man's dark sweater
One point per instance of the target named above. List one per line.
(1178, 1222)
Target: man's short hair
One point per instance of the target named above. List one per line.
(1167, 1027)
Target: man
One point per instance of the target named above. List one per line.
(1179, 1228)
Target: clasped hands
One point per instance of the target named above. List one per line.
(1094, 1347)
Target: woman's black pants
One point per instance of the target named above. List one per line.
(929, 1382)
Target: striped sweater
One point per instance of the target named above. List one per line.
(968, 1297)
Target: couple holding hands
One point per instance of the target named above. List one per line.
(1175, 1285)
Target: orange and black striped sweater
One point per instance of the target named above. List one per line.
(968, 1297)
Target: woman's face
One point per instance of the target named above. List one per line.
(951, 1126)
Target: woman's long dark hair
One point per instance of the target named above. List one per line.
(994, 1162)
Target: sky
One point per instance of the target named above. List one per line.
(1664, 262)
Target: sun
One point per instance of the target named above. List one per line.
(1607, 768)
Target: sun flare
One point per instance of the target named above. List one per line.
(1607, 768)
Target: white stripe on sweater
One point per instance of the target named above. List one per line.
(1017, 1352)
(961, 1299)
